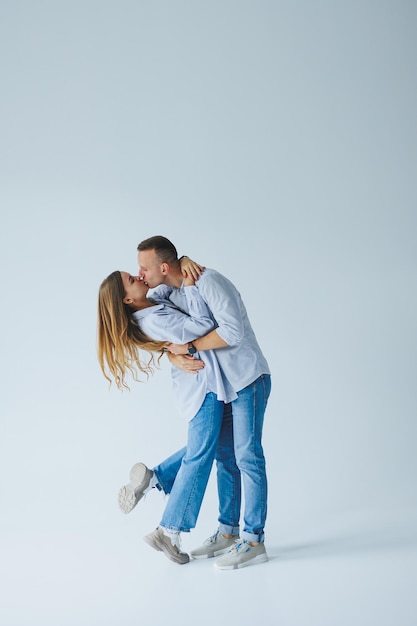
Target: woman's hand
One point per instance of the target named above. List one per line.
(186, 363)
(189, 281)
(177, 348)
(190, 269)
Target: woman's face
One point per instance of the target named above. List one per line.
(135, 289)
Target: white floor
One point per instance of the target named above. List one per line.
(341, 569)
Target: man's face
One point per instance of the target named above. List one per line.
(151, 270)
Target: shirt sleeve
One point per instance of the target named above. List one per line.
(167, 323)
(225, 304)
(162, 292)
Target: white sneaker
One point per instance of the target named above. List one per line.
(158, 540)
(241, 555)
(132, 493)
(213, 546)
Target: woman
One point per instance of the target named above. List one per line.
(129, 321)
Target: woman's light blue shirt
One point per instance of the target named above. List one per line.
(164, 322)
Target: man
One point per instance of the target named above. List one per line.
(246, 370)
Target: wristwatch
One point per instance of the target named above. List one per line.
(191, 349)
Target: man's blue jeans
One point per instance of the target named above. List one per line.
(242, 433)
(232, 434)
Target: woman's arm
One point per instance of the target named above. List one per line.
(167, 323)
(186, 363)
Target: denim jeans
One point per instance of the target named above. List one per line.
(232, 434)
(242, 433)
(185, 474)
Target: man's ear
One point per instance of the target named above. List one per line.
(164, 268)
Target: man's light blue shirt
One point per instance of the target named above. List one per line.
(241, 361)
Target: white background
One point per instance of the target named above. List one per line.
(276, 142)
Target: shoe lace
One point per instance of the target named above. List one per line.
(239, 545)
(213, 537)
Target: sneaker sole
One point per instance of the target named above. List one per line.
(127, 497)
(160, 546)
(210, 555)
(261, 558)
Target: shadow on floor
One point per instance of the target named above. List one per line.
(380, 538)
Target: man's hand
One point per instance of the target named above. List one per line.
(190, 269)
(186, 363)
(178, 348)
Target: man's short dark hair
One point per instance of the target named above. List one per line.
(164, 248)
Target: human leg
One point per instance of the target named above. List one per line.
(248, 417)
(166, 472)
(189, 486)
(229, 491)
(228, 477)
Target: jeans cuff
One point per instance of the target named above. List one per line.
(229, 530)
(259, 538)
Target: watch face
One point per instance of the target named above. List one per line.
(191, 350)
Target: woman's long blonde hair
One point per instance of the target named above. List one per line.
(119, 336)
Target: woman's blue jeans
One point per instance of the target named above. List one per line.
(185, 474)
(232, 435)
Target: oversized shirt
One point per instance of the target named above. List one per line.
(164, 322)
(241, 361)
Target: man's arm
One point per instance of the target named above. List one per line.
(211, 341)
(225, 303)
